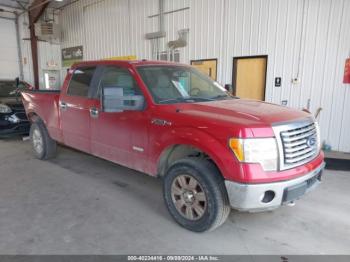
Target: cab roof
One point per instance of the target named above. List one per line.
(124, 62)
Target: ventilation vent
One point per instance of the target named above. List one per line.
(47, 31)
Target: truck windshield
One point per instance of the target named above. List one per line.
(180, 84)
(8, 88)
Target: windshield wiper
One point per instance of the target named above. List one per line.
(224, 96)
(186, 99)
(195, 98)
(179, 99)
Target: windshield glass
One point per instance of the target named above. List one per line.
(176, 84)
(8, 88)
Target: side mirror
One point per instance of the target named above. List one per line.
(113, 100)
(228, 87)
(17, 82)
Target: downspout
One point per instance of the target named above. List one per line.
(155, 36)
(161, 15)
(161, 26)
(19, 48)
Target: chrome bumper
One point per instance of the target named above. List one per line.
(249, 197)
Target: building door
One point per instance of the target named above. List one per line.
(249, 77)
(206, 66)
(8, 50)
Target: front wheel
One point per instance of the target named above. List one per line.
(44, 147)
(195, 195)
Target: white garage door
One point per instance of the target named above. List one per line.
(9, 68)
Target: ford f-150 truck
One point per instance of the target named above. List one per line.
(213, 151)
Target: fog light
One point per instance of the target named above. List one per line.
(268, 196)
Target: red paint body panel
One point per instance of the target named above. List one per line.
(206, 125)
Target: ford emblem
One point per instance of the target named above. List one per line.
(311, 141)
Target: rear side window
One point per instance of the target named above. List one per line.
(80, 82)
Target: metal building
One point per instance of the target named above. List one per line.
(304, 45)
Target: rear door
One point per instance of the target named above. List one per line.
(75, 107)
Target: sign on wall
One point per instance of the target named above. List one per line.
(72, 55)
(347, 72)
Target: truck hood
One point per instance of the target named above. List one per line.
(244, 112)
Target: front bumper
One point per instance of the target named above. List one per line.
(268, 196)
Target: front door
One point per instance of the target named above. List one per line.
(120, 137)
(249, 77)
(206, 66)
(74, 108)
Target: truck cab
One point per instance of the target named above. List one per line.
(213, 151)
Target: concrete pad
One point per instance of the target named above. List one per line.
(79, 204)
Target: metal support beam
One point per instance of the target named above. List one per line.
(34, 49)
(35, 11)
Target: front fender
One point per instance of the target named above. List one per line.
(217, 150)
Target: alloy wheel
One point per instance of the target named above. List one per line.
(189, 197)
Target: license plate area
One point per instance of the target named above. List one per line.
(294, 192)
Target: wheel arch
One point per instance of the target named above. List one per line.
(32, 117)
(175, 152)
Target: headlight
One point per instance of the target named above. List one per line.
(256, 150)
(5, 109)
(318, 137)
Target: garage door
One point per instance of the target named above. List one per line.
(8, 50)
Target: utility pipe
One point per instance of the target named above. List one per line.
(19, 48)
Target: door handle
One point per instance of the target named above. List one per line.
(94, 112)
(63, 105)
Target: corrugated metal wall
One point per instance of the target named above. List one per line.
(309, 39)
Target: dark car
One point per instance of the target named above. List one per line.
(13, 120)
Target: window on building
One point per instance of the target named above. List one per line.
(169, 56)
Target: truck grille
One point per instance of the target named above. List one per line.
(298, 143)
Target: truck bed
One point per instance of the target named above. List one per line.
(45, 105)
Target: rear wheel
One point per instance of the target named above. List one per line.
(195, 195)
(44, 147)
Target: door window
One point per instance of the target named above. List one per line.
(119, 77)
(80, 83)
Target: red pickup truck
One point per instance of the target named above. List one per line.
(213, 151)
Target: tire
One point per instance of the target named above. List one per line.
(44, 147)
(186, 205)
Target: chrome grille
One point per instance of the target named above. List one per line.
(298, 143)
